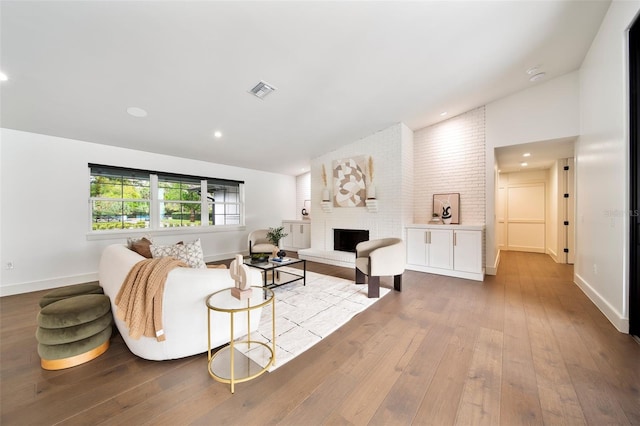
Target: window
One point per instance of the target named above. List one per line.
(123, 198)
(224, 205)
(179, 201)
(119, 199)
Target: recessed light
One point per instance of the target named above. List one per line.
(538, 76)
(443, 113)
(217, 134)
(526, 154)
(3, 76)
(524, 164)
(136, 112)
(533, 70)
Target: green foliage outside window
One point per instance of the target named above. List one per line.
(114, 205)
(120, 198)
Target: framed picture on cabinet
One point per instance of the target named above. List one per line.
(447, 206)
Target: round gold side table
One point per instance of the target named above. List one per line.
(230, 364)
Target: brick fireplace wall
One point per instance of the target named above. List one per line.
(392, 152)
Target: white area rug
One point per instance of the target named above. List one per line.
(307, 314)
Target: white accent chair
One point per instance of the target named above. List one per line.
(258, 242)
(380, 258)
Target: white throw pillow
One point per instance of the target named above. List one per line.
(161, 251)
(191, 254)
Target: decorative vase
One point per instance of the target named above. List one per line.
(446, 213)
(371, 192)
(325, 194)
(282, 253)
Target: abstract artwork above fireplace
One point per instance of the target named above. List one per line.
(349, 182)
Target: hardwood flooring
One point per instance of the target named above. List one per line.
(525, 347)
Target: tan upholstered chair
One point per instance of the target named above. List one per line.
(380, 258)
(258, 242)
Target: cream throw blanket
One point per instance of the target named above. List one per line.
(139, 300)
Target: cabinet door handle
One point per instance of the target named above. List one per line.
(426, 237)
(301, 229)
(454, 239)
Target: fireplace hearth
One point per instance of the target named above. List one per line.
(347, 239)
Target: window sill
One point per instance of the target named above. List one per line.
(125, 233)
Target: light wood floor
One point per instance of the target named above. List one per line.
(524, 347)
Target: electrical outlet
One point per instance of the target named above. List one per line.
(595, 269)
(9, 265)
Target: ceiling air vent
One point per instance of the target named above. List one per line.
(262, 89)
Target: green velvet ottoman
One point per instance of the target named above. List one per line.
(71, 291)
(74, 330)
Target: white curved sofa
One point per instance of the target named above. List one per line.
(184, 311)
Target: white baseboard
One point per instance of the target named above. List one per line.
(493, 270)
(618, 321)
(11, 289)
(224, 256)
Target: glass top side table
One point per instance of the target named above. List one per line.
(230, 364)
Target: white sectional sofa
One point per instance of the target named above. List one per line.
(184, 310)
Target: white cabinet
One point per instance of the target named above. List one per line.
(430, 247)
(299, 235)
(452, 250)
(467, 251)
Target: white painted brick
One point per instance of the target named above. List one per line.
(409, 168)
(450, 157)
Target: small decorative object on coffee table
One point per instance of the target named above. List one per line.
(259, 257)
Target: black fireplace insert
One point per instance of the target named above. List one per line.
(347, 239)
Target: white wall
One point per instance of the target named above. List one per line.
(544, 112)
(602, 172)
(44, 210)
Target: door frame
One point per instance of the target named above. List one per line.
(634, 171)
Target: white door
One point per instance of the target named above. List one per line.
(526, 217)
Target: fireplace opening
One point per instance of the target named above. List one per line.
(347, 239)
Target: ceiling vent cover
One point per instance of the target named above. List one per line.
(262, 89)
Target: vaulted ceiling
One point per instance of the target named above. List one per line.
(342, 70)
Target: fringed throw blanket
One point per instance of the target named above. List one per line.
(139, 300)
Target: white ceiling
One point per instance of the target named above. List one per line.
(542, 155)
(343, 70)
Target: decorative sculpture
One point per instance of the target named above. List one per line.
(240, 274)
